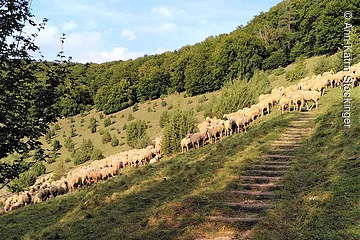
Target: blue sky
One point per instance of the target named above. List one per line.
(106, 30)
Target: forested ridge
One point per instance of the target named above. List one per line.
(292, 29)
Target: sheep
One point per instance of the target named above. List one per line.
(264, 104)
(311, 96)
(284, 101)
(241, 122)
(211, 133)
(297, 97)
(53, 191)
(157, 142)
(253, 112)
(185, 143)
(74, 182)
(26, 198)
(228, 125)
(197, 138)
(262, 97)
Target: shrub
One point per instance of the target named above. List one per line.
(279, 71)
(102, 131)
(299, 72)
(124, 127)
(149, 109)
(107, 122)
(155, 105)
(73, 132)
(82, 120)
(27, 178)
(93, 125)
(136, 135)
(114, 141)
(69, 144)
(189, 102)
(67, 160)
(72, 120)
(237, 94)
(163, 103)
(48, 136)
(118, 131)
(56, 145)
(52, 157)
(106, 137)
(122, 116)
(112, 129)
(130, 117)
(101, 116)
(59, 171)
(200, 108)
(162, 97)
(57, 127)
(88, 108)
(112, 116)
(202, 99)
(170, 107)
(135, 107)
(86, 152)
(38, 154)
(180, 123)
(164, 119)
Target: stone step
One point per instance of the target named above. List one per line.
(255, 195)
(291, 136)
(244, 220)
(283, 151)
(260, 187)
(249, 207)
(260, 179)
(276, 163)
(288, 146)
(275, 167)
(282, 141)
(268, 173)
(277, 156)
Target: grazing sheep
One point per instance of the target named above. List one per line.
(185, 142)
(26, 198)
(298, 100)
(241, 122)
(284, 101)
(264, 105)
(228, 125)
(313, 96)
(197, 138)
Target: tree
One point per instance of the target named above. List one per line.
(114, 141)
(106, 138)
(56, 145)
(180, 123)
(27, 103)
(93, 125)
(136, 135)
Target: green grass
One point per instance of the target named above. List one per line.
(166, 200)
(322, 191)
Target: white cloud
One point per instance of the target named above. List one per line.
(130, 35)
(68, 26)
(118, 53)
(163, 11)
(162, 50)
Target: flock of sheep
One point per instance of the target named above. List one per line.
(103, 169)
(308, 90)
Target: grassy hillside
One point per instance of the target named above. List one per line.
(166, 200)
(321, 194)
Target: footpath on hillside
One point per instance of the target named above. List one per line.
(259, 187)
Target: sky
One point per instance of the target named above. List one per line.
(106, 30)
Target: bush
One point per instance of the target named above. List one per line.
(279, 71)
(107, 122)
(38, 154)
(155, 105)
(118, 131)
(69, 144)
(114, 141)
(101, 116)
(93, 125)
(162, 97)
(164, 118)
(200, 108)
(170, 107)
(202, 99)
(56, 145)
(124, 127)
(163, 103)
(122, 116)
(88, 107)
(130, 117)
(67, 160)
(112, 129)
(237, 94)
(57, 127)
(189, 102)
(48, 136)
(73, 132)
(180, 123)
(149, 109)
(112, 116)
(82, 120)
(27, 178)
(106, 138)
(86, 152)
(299, 72)
(59, 171)
(52, 157)
(135, 107)
(136, 135)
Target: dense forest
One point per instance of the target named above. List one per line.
(292, 29)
